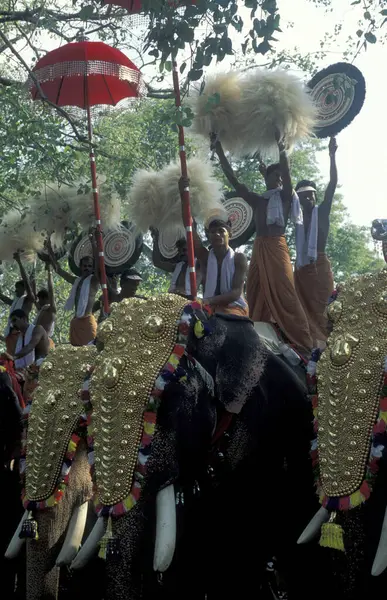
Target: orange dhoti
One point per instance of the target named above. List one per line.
(231, 309)
(83, 330)
(271, 292)
(314, 285)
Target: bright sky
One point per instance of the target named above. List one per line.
(362, 146)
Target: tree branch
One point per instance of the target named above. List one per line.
(39, 88)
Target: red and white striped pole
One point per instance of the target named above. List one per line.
(97, 212)
(185, 199)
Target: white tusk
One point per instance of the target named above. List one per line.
(311, 530)
(90, 546)
(165, 529)
(16, 544)
(74, 536)
(380, 562)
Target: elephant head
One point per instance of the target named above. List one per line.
(168, 381)
(350, 406)
(57, 478)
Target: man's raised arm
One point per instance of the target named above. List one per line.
(326, 205)
(25, 278)
(285, 168)
(50, 287)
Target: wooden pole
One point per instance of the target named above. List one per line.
(97, 212)
(185, 199)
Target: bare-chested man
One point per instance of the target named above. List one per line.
(31, 349)
(271, 292)
(33, 343)
(45, 303)
(83, 326)
(24, 300)
(314, 278)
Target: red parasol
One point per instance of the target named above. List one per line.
(136, 6)
(86, 74)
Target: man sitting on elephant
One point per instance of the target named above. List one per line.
(225, 270)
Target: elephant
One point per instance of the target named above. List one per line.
(56, 452)
(10, 433)
(349, 449)
(187, 409)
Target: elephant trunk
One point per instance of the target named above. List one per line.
(90, 547)
(165, 542)
(16, 544)
(313, 528)
(74, 535)
(380, 561)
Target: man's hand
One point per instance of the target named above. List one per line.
(183, 183)
(332, 146)
(279, 139)
(213, 140)
(262, 168)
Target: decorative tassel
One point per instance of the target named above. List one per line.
(29, 528)
(332, 535)
(109, 545)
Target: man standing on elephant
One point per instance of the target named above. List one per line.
(83, 326)
(45, 303)
(24, 300)
(271, 291)
(313, 277)
(32, 348)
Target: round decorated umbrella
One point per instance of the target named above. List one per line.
(86, 74)
(137, 6)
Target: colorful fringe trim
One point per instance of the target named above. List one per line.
(171, 371)
(79, 433)
(378, 444)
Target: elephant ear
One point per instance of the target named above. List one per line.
(56, 416)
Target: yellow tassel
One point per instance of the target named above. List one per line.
(105, 540)
(332, 535)
(199, 329)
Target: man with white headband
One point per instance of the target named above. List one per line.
(313, 275)
(271, 292)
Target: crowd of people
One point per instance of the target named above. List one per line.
(292, 300)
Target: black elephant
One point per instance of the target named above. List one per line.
(199, 437)
(350, 448)
(10, 507)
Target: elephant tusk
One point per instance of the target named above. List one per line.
(16, 543)
(165, 529)
(380, 562)
(74, 536)
(312, 529)
(90, 547)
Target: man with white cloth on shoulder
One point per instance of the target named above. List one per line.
(313, 275)
(271, 291)
(224, 270)
(83, 326)
(32, 348)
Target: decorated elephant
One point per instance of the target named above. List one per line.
(57, 483)
(189, 411)
(349, 452)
